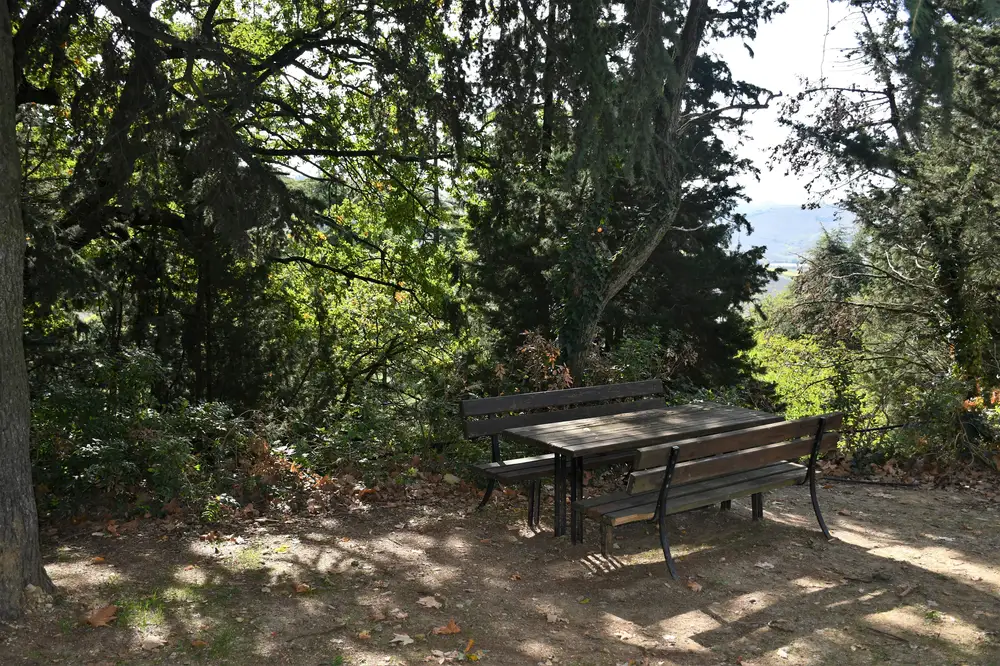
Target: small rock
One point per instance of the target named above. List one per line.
(152, 642)
(451, 479)
(265, 589)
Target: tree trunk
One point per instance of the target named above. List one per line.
(20, 555)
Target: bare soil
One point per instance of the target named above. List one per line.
(911, 577)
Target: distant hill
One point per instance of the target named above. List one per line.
(789, 231)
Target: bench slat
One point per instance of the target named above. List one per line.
(525, 401)
(484, 427)
(622, 500)
(726, 442)
(694, 470)
(785, 477)
(539, 467)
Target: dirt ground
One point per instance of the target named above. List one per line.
(912, 577)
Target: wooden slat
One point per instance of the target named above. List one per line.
(694, 470)
(524, 401)
(700, 447)
(645, 511)
(483, 427)
(623, 500)
(604, 434)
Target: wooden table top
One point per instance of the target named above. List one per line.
(632, 430)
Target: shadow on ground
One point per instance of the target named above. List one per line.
(912, 577)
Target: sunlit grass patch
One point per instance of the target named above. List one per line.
(250, 558)
(140, 611)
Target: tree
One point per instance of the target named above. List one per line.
(20, 554)
(913, 298)
(604, 141)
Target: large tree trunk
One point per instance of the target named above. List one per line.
(20, 556)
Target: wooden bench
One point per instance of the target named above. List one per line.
(702, 471)
(489, 417)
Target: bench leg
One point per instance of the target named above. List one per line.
(815, 502)
(531, 503)
(490, 487)
(607, 539)
(757, 506)
(726, 505)
(538, 503)
(665, 545)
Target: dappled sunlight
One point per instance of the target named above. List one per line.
(679, 629)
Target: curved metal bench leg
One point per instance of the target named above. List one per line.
(490, 487)
(815, 501)
(665, 544)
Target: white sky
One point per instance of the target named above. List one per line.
(795, 45)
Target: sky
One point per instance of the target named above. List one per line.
(805, 42)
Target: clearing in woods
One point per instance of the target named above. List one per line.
(912, 577)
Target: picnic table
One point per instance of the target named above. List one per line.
(573, 442)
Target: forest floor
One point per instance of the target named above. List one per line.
(911, 577)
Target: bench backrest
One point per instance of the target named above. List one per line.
(491, 416)
(732, 452)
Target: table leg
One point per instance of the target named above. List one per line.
(573, 497)
(560, 495)
(578, 491)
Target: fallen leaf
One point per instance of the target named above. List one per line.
(198, 643)
(190, 567)
(450, 628)
(764, 565)
(398, 614)
(173, 506)
(402, 639)
(98, 560)
(102, 616)
(429, 602)
(693, 585)
(302, 588)
(516, 576)
(468, 646)
(364, 635)
(843, 512)
(283, 548)
(783, 653)
(584, 600)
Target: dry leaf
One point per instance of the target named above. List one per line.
(398, 614)
(429, 602)
(98, 560)
(102, 616)
(764, 565)
(402, 639)
(198, 643)
(516, 576)
(173, 506)
(693, 585)
(301, 588)
(450, 628)
(468, 646)
(190, 567)
(364, 635)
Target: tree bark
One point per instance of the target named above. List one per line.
(20, 554)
